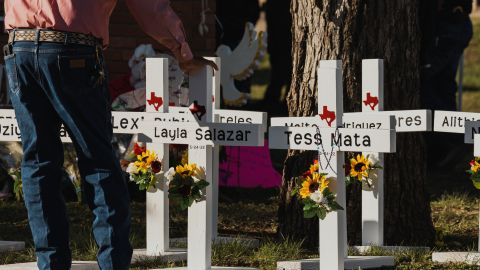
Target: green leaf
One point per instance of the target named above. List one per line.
(202, 184)
(476, 183)
(335, 206)
(307, 207)
(321, 213)
(309, 214)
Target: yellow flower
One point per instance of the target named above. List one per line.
(186, 169)
(474, 166)
(199, 174)
(359, 167)
(141, 166)
(314, 167)
(148, 157)
(324, 183)
(313, 183)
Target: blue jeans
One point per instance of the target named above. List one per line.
(53, 84)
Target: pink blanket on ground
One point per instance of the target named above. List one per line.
(248, 167)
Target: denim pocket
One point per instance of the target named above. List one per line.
(79, 72)
(12, 73)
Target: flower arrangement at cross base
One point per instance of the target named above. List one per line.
(364, 169)
(475, 172)
(186, 184)
(144, 168)
(314, 190)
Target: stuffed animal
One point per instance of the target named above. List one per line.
(135, 99)
(137, 65)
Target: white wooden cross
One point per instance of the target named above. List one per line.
(158, 242)
(406, 121)
(471, 129)
(321, 134)
(201, 135)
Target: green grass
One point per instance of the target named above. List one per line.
(472, 59)
(471, 94)
(455, 218)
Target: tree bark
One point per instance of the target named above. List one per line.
(352, 31)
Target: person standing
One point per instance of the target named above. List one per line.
(56, 73)
(448, 34)
(447, 31)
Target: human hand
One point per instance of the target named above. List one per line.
(196, 63)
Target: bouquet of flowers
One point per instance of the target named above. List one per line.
(144, 168)
(362, 169)
(314, 190)
(186, 184)
(475, 172)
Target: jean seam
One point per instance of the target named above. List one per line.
(15, 88)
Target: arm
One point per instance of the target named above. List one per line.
(159, 21)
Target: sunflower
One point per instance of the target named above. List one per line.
(148, 157)
(315, 182)
(359, 167)
(142, 166)
(186, 169)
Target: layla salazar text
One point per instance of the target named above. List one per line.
(201, 134)
(335, 139)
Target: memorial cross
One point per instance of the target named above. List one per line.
(471, 136)
(406, 121)
(201, 135)
(324, 134)
(219, 116)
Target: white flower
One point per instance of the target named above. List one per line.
(373, 159)
(170, 173)
(160, 180)
(132, 169)
(199, 174)
(317, 197)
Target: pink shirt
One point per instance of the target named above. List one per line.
(155, 17)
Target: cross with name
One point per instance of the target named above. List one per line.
(471, 129)
(158, 242)
(202, 136)
(324, 133)
(467, 123)
(406, 121)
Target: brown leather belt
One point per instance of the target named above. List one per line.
(46, 35)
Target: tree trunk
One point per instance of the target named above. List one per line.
(352, 31)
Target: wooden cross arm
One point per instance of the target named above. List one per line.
(405, 120)
(205, 134)
(342, 139)
(453, 121)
